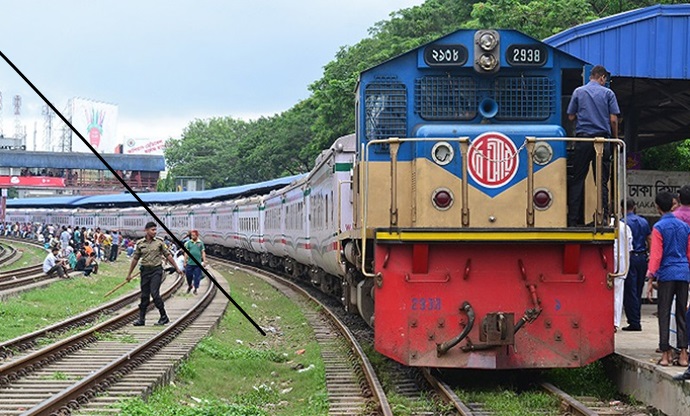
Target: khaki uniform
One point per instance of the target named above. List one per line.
(150, 253)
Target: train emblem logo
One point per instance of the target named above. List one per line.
(492, 160)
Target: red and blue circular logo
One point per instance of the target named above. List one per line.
(492, 160)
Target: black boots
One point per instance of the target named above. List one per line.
(142, 318)
(164, 320)
(164, 317)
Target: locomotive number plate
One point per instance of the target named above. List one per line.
(526, 55)
(426, 304)
(445, 55)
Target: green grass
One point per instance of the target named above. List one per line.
(38, 308)
(515, 393)
(512, 403)
(237, 371)
(585, 381)
(30, 256)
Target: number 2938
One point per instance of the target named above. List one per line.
(426, 304)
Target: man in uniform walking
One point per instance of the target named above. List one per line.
(151, 250)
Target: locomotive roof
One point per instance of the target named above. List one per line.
(127, 200)
(454, 36)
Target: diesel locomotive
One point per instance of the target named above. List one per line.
(442, 219)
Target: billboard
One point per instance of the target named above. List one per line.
(144, 146)
(32, 181)
(97, 122)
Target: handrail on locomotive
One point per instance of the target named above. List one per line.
(618, 179)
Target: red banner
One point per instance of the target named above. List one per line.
(32, 181)
(3, 204)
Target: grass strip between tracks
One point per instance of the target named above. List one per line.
(38, 308)
(236, 371)
(30, 256)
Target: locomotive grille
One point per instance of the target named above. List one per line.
(386, 110)
(524, 98)
(446, 98)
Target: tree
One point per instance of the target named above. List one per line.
(668, 157)
(537, 18)
(207, 148)
(333, 94)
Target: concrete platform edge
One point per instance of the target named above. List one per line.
(645, 383)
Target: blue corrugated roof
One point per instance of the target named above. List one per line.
(22, 159)
(53, 201)
(653, 42)
(126, 199)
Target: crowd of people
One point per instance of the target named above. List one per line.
(658, 256)
(82, 249)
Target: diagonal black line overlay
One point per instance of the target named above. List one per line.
(131, 191)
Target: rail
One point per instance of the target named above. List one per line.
(372, 380)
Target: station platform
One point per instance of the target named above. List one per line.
(640, 377)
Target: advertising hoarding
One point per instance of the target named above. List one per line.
(144, 146)
(97, 122)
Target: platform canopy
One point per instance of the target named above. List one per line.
(75, 160)
(647, 52)
(157, 198)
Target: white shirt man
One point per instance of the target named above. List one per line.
(52, 264)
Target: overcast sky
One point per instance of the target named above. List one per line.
(165, 63)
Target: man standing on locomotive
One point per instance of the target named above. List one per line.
(595, 110)
(150, 249)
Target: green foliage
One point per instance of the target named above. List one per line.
(38, 308)
(586, 381)
(166, 184)
(224, 352)
(537, 18)
(668, 157)
(208, 148)
(164, 403)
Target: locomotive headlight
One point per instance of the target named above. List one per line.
(487, 62)
(487, 51)
(442, 153)
(487, 41)
(543, 153)
(442, 199)
(542, 199)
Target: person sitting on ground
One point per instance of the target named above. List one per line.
(87, 248)
(52, 265)
(91, 265)
(130, 248)
(87, 264)
(71, 257)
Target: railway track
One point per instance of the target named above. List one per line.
(31, 276)
(30, 341)
(353, 386)
(8, 254)
(89, 372)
